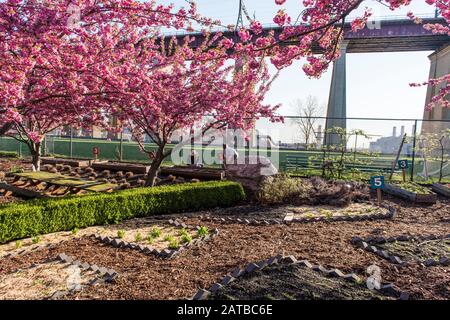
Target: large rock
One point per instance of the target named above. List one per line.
(251, 173)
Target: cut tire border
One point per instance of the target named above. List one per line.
(105, 275)
(24, 251)
(149, 250)
(370, 244)
(289, 218)
(386, 289)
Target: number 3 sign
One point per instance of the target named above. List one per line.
(403, 164)
(377, 182)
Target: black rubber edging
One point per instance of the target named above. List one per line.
(392, 213)
(202, 294)
(165, 253)
(370, 244)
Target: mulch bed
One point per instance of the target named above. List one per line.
(149, 277)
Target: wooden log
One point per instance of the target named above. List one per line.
(408, 195)
(194, 172)
(441, 189)
(21, 192)
(124, 167)
(78, 163)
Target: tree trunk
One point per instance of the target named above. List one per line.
(154, 168)
(5, 128)
(441, 168)
(36, 156)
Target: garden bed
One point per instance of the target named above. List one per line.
(119, 166)
(145, 276)
(429, 251)
(52, 279)
(165, 240)
(412, 192)
(285, 278)
(78, 163)
(191, 172)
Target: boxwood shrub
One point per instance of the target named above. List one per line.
(9, 154)
(20, 220)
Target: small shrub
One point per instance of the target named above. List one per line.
(150, 240)
(42, 216)
(203, 231)
(183, 232)
(36, 240)
(121, 234)
(281, 189)
(18, 244)
(75, 231)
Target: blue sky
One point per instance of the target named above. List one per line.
(377, 83)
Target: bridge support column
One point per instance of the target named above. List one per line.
(440, 66)
(337, 102)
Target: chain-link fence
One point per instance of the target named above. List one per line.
(300, 145)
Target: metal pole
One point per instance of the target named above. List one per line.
(71, 143)
(44, 146)
(414, 151)
(20, 150)
(121, 146)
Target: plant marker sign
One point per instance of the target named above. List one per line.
(96, 152)
(377, 183)
(403, 164)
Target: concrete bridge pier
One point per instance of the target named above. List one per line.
(439, 66)
(337, 102)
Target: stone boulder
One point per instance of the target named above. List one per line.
(251, 173)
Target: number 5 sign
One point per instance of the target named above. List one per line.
(377, 182)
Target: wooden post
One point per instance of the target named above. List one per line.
(379, 197)
(121, 146)
(404, 175)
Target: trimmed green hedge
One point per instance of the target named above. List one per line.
(51, 215)
(9, 154)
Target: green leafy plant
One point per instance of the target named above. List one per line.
(174, 244)
(169, 238)
(18, 244)
(183, 232)
(138, 237)
(186, 238)
(75, 231)
(202, 231)
(36, 240)
(42, 216)
(155, 232)
(150, 240)
(121, 234)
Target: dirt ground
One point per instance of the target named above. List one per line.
(327, 243)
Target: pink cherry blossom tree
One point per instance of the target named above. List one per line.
(321, 23)
(54, 58)
(174, 87)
